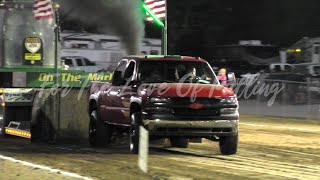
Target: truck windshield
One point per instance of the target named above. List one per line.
(176, 72)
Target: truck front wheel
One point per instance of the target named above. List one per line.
(134, 133)
(228, 144)
(99, 132)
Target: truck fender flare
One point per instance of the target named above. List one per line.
(135, 100)
(93, 98)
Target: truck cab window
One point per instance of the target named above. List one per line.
(316, 70)
(122, 67)
(79, 62)
(89, 63)
(317, 49)
(68, 62)
(277, 68)
(129, 72)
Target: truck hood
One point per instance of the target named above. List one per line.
(188, 90)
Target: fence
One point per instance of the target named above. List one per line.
(281, 98)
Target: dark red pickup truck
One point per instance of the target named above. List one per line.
(174, 97)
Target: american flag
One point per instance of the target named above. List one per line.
(42, 9)
(158, 7)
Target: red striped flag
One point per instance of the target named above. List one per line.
(42, 9)
(158, 7)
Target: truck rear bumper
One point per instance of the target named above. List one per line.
(203, 128)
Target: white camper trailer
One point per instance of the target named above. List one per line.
(101, 49)
(303, 56)
(306, 50)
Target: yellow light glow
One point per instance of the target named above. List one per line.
(1, 91)
(56, 6)
(298, 50)
(3, 104)
(290, 50)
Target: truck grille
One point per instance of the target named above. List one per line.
(181, 107)
(186, 101)
(196, 112)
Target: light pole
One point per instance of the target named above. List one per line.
(165, 33)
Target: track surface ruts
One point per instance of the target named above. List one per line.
(274, 149)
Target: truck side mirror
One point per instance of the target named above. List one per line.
(116, 78)
(231, 80)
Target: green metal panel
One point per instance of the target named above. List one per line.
(27, 68)
(47, 77)
(66, 78)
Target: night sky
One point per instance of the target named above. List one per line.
(212, 22)
(196, 26)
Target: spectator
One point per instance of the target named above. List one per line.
(222, 76)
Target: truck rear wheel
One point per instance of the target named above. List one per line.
(228, 144)
(179, 142)
(37, 131)
(99, 132)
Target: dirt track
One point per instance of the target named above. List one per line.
(275, 149)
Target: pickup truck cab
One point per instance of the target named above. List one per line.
(176, 97)
(81, 63)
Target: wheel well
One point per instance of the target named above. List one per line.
(92, 106)
(135, 107)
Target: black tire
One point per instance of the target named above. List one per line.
(228, 144)
(43, 131)
(36, 131)
(99, 133)
(38, 120)
(179, 142)
(134, 133)
(3, 124)
(51, 133)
